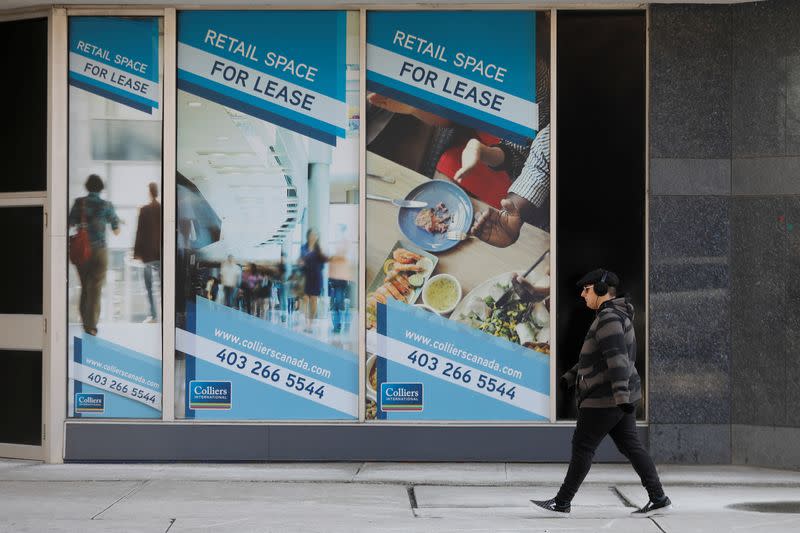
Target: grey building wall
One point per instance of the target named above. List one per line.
(725, 241)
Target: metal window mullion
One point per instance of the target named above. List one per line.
(647, 218)
(54, 355)
(9, 200)
(21, 451)
(24, 14)
(115, 11)
(169, 162)
(362, 215)
(553, 204)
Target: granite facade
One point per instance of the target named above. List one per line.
(677, 443)
(690, 80)
(690, 304)
(724, 318)
(759, 310)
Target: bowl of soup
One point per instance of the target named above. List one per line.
(442, 293)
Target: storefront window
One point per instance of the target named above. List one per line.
(458, 165)
(23, 142)
(267, 250)
(115, 181)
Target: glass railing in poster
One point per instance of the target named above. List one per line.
(458, 186)
(114, 296)
(267, 215)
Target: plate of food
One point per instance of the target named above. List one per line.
(402, 276)
(522, 321)
(449, 209)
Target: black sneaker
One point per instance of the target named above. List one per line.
(552, 507)
(653, 508)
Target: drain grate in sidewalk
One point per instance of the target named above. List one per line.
(768, 507)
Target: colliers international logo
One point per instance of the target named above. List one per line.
(210, 395)
(401, 397)
(90, 403)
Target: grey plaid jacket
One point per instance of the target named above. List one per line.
(605, 375)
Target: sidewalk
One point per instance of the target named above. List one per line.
(378, 497)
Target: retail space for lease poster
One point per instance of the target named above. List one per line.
(267, 215)
(114, 296)
(458, 193)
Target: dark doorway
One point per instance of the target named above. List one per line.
(23, 148)
(23, 142)
(600, 158)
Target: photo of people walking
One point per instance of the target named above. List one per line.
(114, 303)
(313, 294)
(94, 214)
(147, 248)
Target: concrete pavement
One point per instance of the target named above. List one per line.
(379, 497)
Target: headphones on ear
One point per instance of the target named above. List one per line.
(601, 287)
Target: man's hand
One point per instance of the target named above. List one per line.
(476, 152)
(499, 228)
(522, 285)
(390, 105)
(470, 157)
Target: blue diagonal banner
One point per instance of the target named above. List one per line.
(116, 58)
(474, 67)
(285, 67)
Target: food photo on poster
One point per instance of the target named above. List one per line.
(458, 194)
(114, 284)
(267, 215)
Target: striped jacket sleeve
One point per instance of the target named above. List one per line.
(610, 336)
(533, 182)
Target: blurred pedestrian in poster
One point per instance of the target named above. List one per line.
(278, 299)
(96, 213)
(251, 282)
(340, 278)
(147, 247)
(212, 289)
(231, 277)
(312, 259)
(296, 284)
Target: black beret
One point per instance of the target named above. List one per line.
(612, 280)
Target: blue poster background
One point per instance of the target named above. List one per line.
(134, 38)
(109, 353)
(315, 38)
(502, 38)
(252, 398)
(444, 400)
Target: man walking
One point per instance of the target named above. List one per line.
(147, 247)
(607, 388)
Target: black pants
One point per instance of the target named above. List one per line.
(593, 426)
